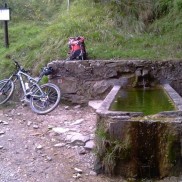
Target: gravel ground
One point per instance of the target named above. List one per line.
(30, 151)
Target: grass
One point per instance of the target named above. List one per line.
(110, 150)
(39, 33)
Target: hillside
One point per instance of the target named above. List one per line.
(122, 29)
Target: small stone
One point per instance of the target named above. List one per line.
(77, 106)
(77, 176)
(79, 121)
(82, 151)
(29, 123)
(18, 114)
(1, 147)
(89, 145)
(39, 147)
(93, 173)
(59, 145)
(133, 179)
(5, 123)
(68, 146)
(77, 138)
(74, 147)
(66, 107)
(50, 127)
(78, 170)
(35, 126)
(60, 130)
(2, 132)
(48, 158)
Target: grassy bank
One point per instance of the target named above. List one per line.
(39, 31)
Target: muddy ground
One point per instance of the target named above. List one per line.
(30, 151)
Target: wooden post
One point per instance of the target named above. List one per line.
(68, 7)
(6, 36)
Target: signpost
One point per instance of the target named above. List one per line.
(5, 16)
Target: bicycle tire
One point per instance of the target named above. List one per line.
(42, 105)
(6, 90)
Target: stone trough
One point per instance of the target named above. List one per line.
(136, 146)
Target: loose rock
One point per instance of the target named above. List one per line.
(39, 147)
(76, 176)
(77, 138)
(2, 132)
(5, 123)
(60, 130)
(89, 145)
(78, 170)
(77, 122)
(35, 126)
(29, 123)
(59, 145)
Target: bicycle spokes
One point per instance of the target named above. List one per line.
(46, 99)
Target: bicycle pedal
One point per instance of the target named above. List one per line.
(25, 100)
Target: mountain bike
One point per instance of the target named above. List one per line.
(41, 98)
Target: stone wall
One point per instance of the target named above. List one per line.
(81, 81)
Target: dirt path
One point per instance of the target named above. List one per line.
(37, 148)
(31, 151)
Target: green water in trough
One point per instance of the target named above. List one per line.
(147, 100)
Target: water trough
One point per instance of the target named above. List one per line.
(131, 144)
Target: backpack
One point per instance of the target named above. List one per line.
(77, 48)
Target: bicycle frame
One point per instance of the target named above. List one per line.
(34, 83)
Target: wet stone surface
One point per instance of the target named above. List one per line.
(45, 148)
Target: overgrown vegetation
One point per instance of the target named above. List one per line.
(114, 29)
(109, 150)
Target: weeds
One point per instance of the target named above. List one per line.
(110, 151)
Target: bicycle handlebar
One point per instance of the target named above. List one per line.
(18, 67)
(45, 70)
(17, 64)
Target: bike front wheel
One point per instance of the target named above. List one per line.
(42, 104)
(6, 90)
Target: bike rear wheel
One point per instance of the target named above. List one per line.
(6, 90)
(44, 104)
